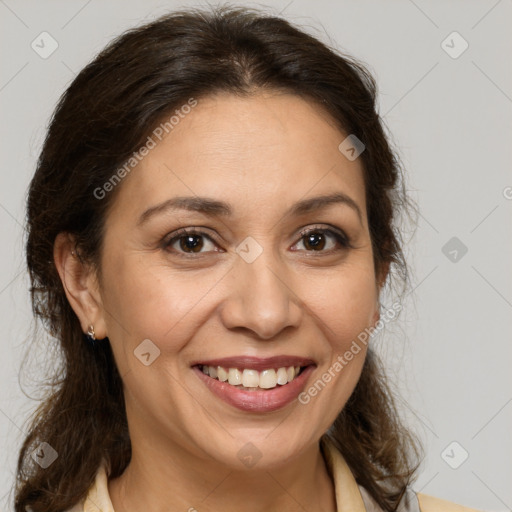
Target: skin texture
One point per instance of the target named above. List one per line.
(261, 154)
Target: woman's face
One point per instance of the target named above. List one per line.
(266, 269)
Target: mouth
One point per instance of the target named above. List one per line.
(254, 384)
(251, 379)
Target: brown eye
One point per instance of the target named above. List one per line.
(192, 243)
(315, 241)
(322, 240)
(189, 242)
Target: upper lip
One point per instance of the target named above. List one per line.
(257, 363)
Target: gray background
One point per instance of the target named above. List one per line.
(450, 351)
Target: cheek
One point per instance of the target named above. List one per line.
(156, 303)
(344, 304)
(344, 310)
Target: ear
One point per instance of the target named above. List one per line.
(80, 284)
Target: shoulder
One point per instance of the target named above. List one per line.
(360, 499)
(415, 502)
(97, 498)
(79, 507)
(431, 504)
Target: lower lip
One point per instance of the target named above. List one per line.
(256, 401)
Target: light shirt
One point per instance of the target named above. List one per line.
(350, 497)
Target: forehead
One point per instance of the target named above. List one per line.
(260, 148)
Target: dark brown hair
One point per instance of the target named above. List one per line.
(103, 117)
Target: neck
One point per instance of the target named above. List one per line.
(175, 480)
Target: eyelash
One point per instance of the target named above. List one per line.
(342, 239)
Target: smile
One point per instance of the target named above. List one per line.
(251, 379)
(253, 384)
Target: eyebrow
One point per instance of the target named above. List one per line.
(217, 208)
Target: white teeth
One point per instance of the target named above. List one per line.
(250, 379)
(222, 374)
(268, 379)
(253, 379)
(234, 377)
(282, 376)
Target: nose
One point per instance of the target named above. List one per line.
(260, 299)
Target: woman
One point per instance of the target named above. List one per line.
(213, 207)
